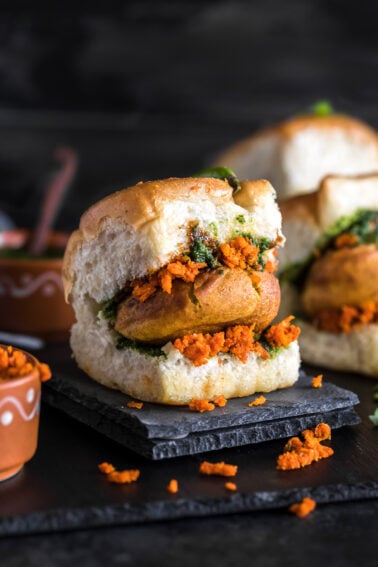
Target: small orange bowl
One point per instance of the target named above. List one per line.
(31, 288)
(20, 397)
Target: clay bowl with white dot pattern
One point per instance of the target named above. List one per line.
(19, 419)
(31, 287)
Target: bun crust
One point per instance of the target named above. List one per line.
(297, 153)
(142, 203)
(139, 206)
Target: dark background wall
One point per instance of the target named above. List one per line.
(147, 89)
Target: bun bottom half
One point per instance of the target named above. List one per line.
(354, 352)
(173, 379)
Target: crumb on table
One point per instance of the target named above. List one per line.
(173, 486)
(259, 401)
(201, 406)
(219, 469)
(303, 508)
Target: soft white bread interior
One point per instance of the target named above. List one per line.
(133, 232)
(296, 154)
(305, 219)
(175, 380)
(356, 351)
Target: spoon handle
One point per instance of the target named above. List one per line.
(53, 198)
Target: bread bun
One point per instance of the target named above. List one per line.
(356, 351)
(136, 232)
(173, 379)
(296, 154)
(339, 277)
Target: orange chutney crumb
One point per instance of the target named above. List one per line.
(173, 486)
(271, 265)
(201, 406)
(346, 240)
(239, 253)
(259, 401)
(219, 469)
(199, 347)
(44, 371)
(123, 477)
(134, 404)
(182, 268)
(220, 401)
(283, 333)
(142, 290)
(300, 453)
(317, 381)
(346, 318)
(238, 340)
(303, 508)
(106, 468)
(231, 486)
(255, 279)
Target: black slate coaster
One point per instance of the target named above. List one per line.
(160, 432)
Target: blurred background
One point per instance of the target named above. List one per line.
(151, 88)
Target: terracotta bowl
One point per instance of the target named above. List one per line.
(19, 419)
(31, 290)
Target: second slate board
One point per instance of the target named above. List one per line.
(159, 432)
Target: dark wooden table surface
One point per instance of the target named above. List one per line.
(60, 494)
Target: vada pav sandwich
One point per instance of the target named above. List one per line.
(329, 272)
(297, 153)
(174, 293)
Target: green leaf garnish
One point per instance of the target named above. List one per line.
(322, 108)
(374, 418)
(199, 250)
(149, 350)
(224, 173)
(241, 219)
(363, 224)
(109, 309)
(214, 229)
(375, 393)
(23, 254)
(262, 244)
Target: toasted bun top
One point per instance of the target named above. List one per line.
(337, 196)
(142, 203)
(340, 121)
(292, 126)
(134, 231)
(296, 154)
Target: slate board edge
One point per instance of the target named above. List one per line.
(249, 435)
(92, 403)
(165, 449)
(62, 519)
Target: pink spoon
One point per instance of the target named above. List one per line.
(53, 198)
